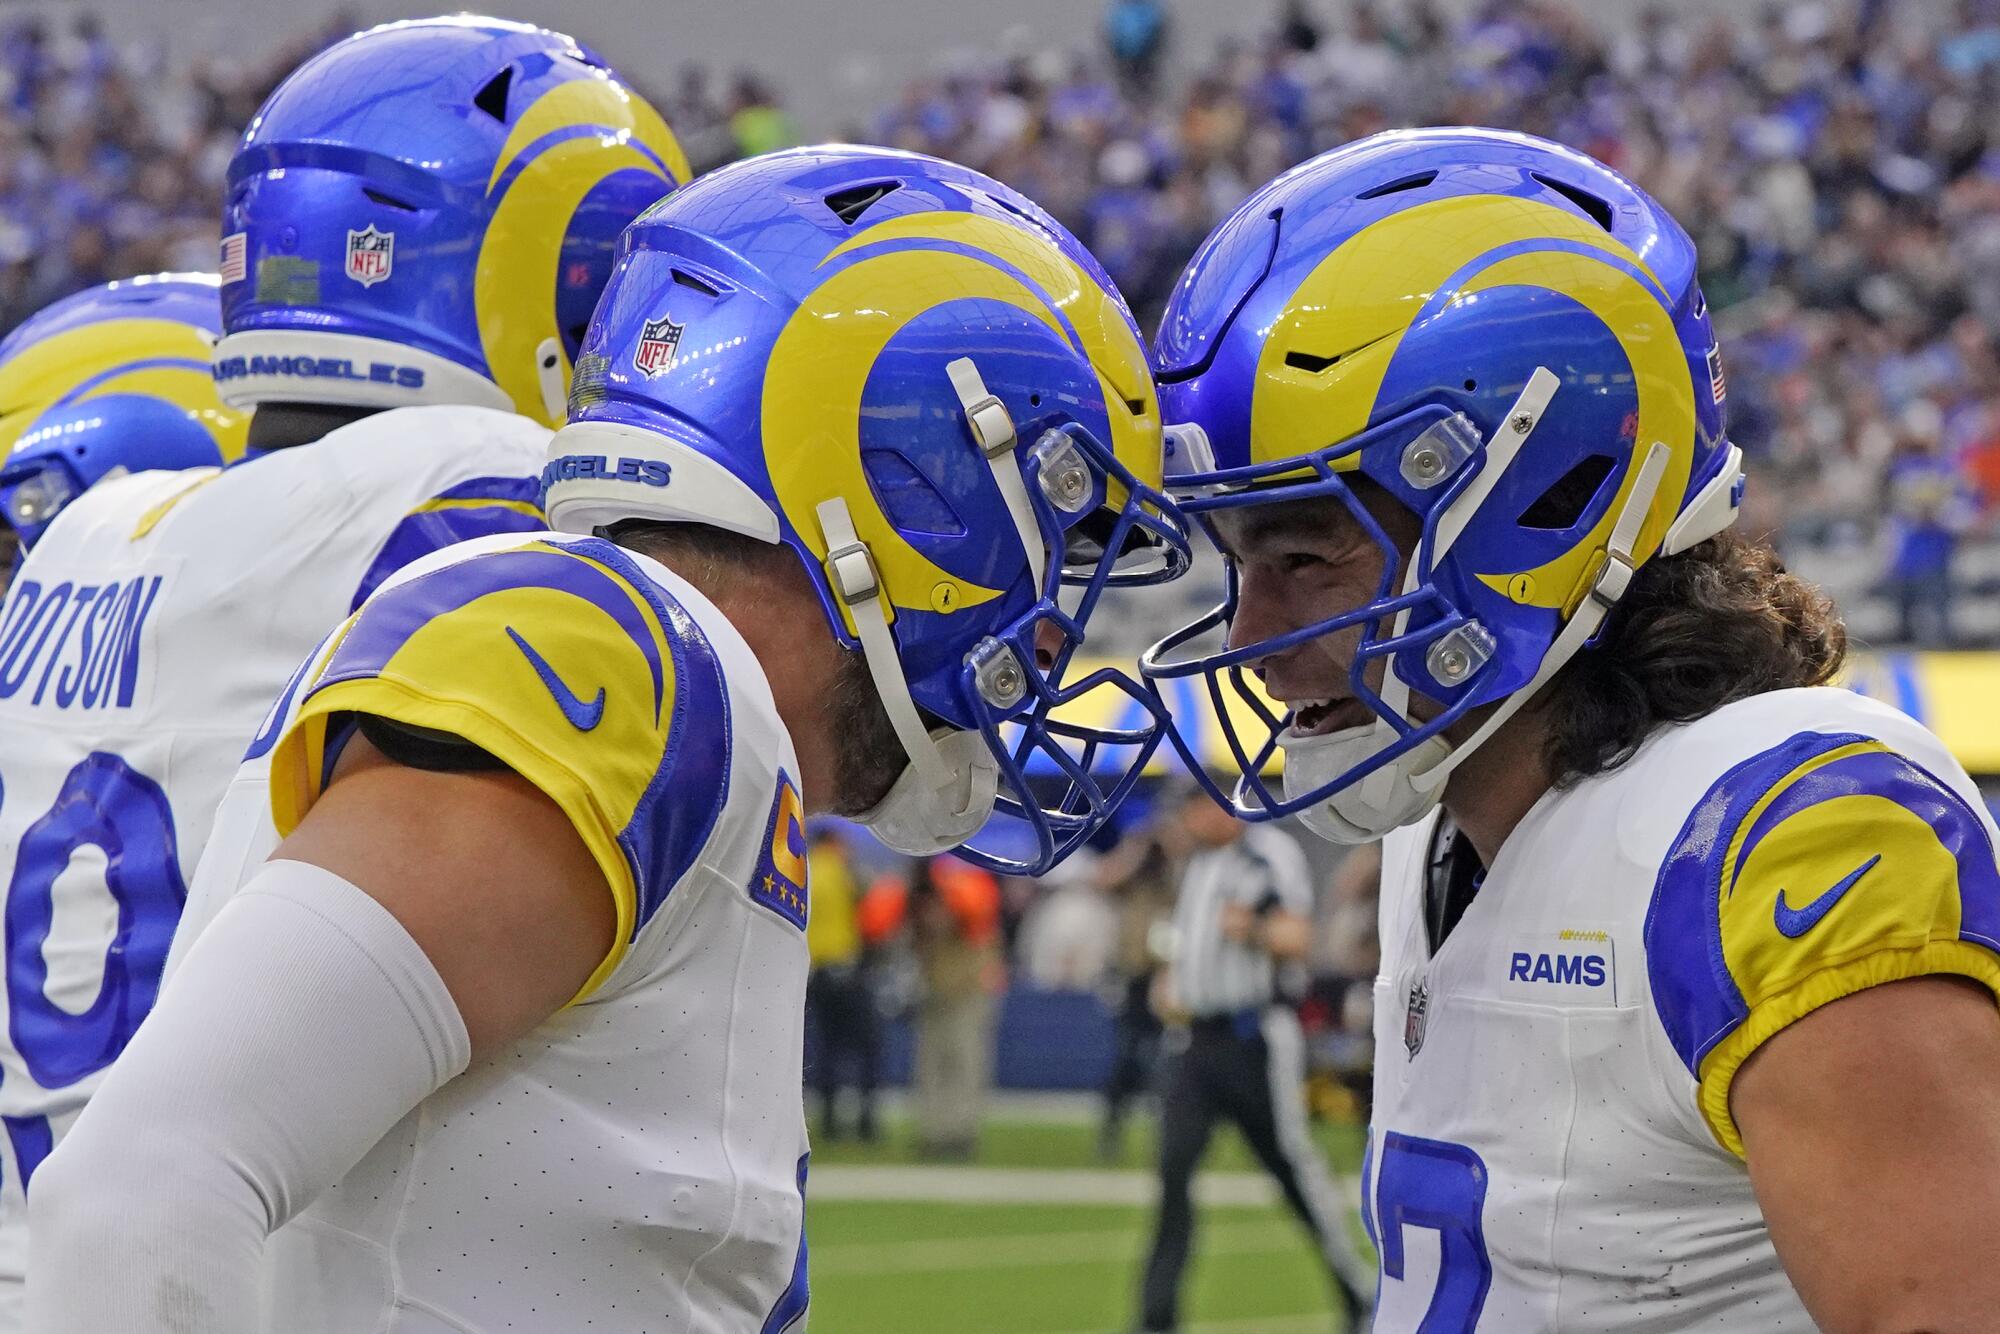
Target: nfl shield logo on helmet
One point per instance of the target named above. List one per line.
(1413, 1017)
(371, 255)
(658, 341)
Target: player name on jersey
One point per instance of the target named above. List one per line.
(75, 644)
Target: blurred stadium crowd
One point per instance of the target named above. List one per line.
(1839, 164)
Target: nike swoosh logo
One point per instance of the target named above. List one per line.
(581, 716)
(1795, 922)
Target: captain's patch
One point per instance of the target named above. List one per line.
(780, 880)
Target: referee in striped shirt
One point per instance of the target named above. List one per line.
(1242, 927)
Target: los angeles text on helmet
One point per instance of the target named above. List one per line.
(574, 467)
(320, 368)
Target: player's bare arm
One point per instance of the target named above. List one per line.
(1872, 1128)
(484, 871)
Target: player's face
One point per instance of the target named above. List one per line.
(1298, 563)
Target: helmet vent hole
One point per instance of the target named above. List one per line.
(685, 279)
(907, 497)
(1034, 400)
(848, 205)
(492, 98)
(1306, 361)
(1572, 498)
(1471, 385)
(1010, 206)
(1136, 406)
(1416, 182)
(388, 201)
(1598, 211)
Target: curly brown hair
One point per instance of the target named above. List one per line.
(1721, 621)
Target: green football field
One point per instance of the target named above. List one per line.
(904, 1248)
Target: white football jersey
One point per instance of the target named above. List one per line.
(143, 640)
(637, 1163)
(1552, 1147)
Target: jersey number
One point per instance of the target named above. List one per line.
(106, 805)
(1431, 1184)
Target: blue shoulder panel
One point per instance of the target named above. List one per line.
(1824, 828)
(479, 507)
(679, 809)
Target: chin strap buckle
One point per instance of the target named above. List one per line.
(855, 577)
(1613, 578)
(992, 425)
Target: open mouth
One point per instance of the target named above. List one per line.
(1318, 717)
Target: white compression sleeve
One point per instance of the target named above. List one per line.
(303, 1024)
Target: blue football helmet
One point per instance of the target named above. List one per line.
(426, 212)
(919, 382)
(113, 379)
(1505, 337)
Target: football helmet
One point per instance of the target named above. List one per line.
(914, 378)
(1508, 339)
(112, 379)
(425, 212)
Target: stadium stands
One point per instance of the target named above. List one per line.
(1839, 163)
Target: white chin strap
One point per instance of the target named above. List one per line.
(850, 568)
(1613, 578)
(939, 800)
(993, 431)
(946, 793)
(1365, 811)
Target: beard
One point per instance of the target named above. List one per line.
(870, 757)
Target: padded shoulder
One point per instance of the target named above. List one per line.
(567, 662)
(1820, 866)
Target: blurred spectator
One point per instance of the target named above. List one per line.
(952, 911)
(1297, 28)
(1136, 32)
(1928, 508)
(1339, 1017)
(840, 996)
(1141, 874)
(1068, 930)
(108, 167)
(756, 120)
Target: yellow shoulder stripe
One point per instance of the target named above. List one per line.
(527, 507)
(300, 758)
(198, 478)
(1939, 957)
